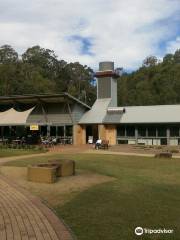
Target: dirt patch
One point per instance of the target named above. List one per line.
(60, 192)
(70, 148)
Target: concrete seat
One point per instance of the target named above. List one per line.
(65, 167)
(43, 173)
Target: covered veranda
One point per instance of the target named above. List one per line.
(14, 128)
(39, 117)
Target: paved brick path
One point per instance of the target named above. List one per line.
(24, 217)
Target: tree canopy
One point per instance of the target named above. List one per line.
(155, 82)
(39, 70)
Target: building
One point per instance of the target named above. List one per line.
(65, 117)
(149, 125)
(40, 115)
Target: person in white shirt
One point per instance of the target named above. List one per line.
(98, 143)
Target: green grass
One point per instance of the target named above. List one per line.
(17, 152)
(146, 193)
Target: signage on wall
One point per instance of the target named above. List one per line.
(34, 127)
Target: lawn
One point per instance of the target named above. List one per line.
(145, 192)
(17, 152)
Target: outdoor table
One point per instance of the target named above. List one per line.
(5, 141)
(17, 141)
(65, 140)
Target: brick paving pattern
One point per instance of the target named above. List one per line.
(24, 217)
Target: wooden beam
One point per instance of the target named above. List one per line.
(70, 113)
(43, 109)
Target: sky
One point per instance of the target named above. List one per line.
(90, 31)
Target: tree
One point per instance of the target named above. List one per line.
(8, 63)
(76, 80)
(30, 80)
(40, 71)
(8, 55)
(168, 59)
(7, 78)
(43, 58)
(154, 83)
(177, 56)
(150, 61)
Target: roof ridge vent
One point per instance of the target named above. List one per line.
(116, 110)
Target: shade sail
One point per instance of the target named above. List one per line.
(13, 117)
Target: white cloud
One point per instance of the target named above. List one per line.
(125, 31)
(172, 46)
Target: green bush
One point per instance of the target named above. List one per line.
(22, 147)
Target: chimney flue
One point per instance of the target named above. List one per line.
(107, 82)
(105, 66)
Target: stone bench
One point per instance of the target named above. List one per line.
(65, 167)
(48, 172)
(42, 173)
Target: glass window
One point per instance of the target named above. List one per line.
(151, 131)
(43, 131)
(141, 131)
(174, 131)
(6, 131)
(161, 131)
(122, 141)
(60, 131)
(68, 131)
(52, 131)
(20, 131)
(130, 131)
(121, 131)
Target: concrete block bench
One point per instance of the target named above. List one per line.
(48, 172)
(42, 173)
(65, 167)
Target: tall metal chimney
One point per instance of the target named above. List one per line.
(107, 82)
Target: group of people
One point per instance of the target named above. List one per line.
(49, 141)
(103, 144)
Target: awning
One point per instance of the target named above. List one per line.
(12, 117)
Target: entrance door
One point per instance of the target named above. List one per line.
(92, 130)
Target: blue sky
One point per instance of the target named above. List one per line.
(123, 31)
(86, 44)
